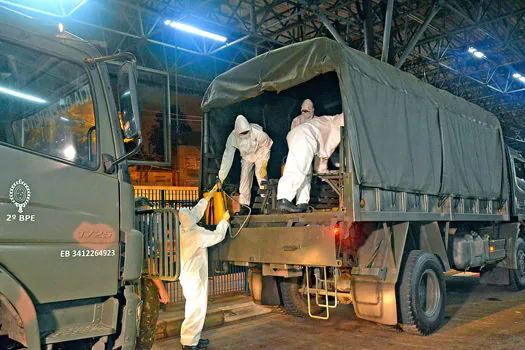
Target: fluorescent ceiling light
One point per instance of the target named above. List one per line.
(193, 30)
(522, 79)
(516, 75)
(76, 7)
(21, 95)
(479, 54)
(476, 53)
(55, 8)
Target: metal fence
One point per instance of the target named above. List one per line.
(223, 278)
(174, 197)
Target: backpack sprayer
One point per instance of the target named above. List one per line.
(223, 199)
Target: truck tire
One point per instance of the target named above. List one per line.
(422, 293)
(517, 276)
(295, 302)
(149, 314)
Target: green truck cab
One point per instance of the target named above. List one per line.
(71, 259)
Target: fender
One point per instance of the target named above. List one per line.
(21, 301)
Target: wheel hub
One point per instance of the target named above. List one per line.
(429, 293)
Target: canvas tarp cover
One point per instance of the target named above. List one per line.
(404, 134)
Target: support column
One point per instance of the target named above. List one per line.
(430, 16)
(387, 31)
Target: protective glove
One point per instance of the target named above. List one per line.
(226, 216)
(210, 194)
(262, 171)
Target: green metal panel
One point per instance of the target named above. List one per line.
(69, 248)
(307, 245)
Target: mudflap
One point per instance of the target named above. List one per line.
(374, 278)
(374, 300)
(380, 259)
(270, 291)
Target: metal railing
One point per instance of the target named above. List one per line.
(223, 278)
(174, 197)
(160, 228)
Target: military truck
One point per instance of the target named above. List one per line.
(71, 259)
(425, 184)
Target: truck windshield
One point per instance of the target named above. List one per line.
(46, 106)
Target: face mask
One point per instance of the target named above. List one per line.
(245, 142)
(307, 114)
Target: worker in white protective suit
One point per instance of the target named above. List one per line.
(307, 113)
(194, 241)
(316, 137)
(254, 146)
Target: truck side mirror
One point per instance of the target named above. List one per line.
(128, 105)
(127, 100)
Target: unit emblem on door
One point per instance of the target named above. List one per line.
(20, 194)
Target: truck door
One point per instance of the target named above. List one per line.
(59, 211)
(519, 184)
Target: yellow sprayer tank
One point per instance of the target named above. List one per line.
(215, 209)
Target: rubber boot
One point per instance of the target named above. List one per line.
(302, 207)
(286, 206)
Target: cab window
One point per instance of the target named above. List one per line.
(47, 106)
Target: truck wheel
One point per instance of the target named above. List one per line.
(294, 300)
(517, 276)
(149, 314)
(422, 293)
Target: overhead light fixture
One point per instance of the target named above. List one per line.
(55, 8)
(61, 27)
(21, 95)
(193, 30)
(476, 53)
(519, 77)
(479, 54)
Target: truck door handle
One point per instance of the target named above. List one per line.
(291, 248)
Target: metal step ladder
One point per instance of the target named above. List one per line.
(321, 288)
(266, 199)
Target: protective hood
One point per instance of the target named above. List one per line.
(244, 142)
(307, 110)
(241, 125)
(189, 217)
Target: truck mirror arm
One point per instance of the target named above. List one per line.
(109, 165)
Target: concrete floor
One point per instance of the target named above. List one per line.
(477, 317)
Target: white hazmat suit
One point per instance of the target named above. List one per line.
(307, 113)
(316, 137)
(194, 241)
(254, 145)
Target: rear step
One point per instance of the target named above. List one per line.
(322, 282)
